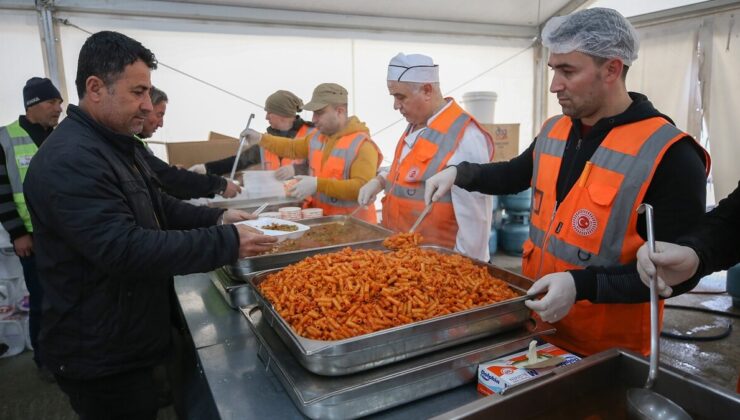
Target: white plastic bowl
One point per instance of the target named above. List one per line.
(260, 223)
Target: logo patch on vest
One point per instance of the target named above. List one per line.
(413, 174)
(584, 222)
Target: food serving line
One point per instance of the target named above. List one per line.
(251, 363)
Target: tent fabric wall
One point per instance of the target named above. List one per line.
(22, 59)
(244, 60)
(724, 104)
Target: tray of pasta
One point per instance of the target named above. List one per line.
(358, 309)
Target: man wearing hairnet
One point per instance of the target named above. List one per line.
(589, 169)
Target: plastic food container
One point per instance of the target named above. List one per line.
(271, 214)
(312, 213)
(290, 213)
(281, 235)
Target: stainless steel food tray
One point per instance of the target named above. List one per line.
(235, 292)
(252, 203)
(364, 393)
(596, 387)
(390, 345)
(243, 268)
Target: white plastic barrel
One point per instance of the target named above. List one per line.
(481, 105)
(13, 335)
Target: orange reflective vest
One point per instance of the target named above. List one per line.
(404, 191)
(272, 161)
(338, 166)
(595, 225)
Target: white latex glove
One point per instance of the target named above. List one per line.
(560, 296)
(439, 184)
(368, 192)
(198, 169)
(675, 264)
(253, 136)
(284, 173)
(305, 187)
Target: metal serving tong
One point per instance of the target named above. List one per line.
(242, 140)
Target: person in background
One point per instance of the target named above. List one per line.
(177, 182)
(108, 241)
(589, 170)
(439, 133)
(710, 246)
(341, 156)
(20, 141)
(282, 108)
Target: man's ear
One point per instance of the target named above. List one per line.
(93, 88)
(613, 70)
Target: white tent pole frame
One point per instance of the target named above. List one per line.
(50, 45)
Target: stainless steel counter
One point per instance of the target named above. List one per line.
(240, 385)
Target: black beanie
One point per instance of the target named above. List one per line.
(37, 90)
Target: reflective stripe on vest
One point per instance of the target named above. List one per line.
(595, 225)
(404, 199)
(338, 165)
(19, 148)
(272, 161)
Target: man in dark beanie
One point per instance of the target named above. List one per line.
(281, 108)
(20, 140)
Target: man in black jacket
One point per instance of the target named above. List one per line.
(108, 242)
(179, 182)
(590, 51)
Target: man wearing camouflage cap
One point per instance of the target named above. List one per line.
(281, 108)
(590, 168)
(341, 156)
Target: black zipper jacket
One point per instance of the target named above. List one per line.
(107, 244)
(677, 193)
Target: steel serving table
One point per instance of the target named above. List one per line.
(237, 384)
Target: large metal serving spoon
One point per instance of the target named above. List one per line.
(644, 403)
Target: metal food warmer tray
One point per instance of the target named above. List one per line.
(596, 388)
(365, 393)
(231, 280)
(341, 357)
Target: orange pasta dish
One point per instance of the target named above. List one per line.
(403, 240)
(355, 292)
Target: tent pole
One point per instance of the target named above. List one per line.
(51, 46)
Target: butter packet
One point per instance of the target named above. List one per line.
(501, 374)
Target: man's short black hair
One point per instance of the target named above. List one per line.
(105, 54)
(157, 96)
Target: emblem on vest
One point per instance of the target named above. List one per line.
(584, 222)
(24, 160)
(413, 174)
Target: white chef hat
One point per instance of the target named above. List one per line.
(415, 68)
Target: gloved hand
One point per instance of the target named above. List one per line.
(439, 184)
(675, 264)
(369, 191)
(560, 296)
(305, 187)
(284, 173)
(198, 169)
(252, 136)
(232, 189)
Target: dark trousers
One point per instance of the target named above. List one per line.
(36, 297)
(129, 395)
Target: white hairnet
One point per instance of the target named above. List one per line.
(600, 32)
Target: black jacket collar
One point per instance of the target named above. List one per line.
(124, 143)
(37, 132)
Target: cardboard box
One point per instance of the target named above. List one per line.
(501, 374)
(188, 153)
(505, 139)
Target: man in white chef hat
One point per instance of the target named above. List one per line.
(439, 133)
